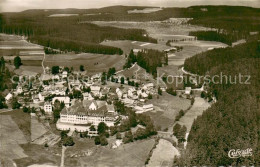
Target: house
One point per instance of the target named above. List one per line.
(19, 89)
(95, 90)
(64, 74)
(187, 90)
(96, 77)
(47, 107)
(55, 77)
(144, 95)
(87, 96)
(148, 107)
(148, 86)
(144, 108)
(119, 93)
(75, 85)
(136, 51)
(64, 99)
(111, 108)
(9, 96)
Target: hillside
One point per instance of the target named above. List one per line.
(233, 122)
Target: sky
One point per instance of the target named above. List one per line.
(20, 5)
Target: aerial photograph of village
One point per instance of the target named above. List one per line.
(149, 83)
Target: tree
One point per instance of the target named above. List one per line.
(128, 137)
(118, 135)
(77, 94)
(122, 80)
(102, 128)
(81, 68)
(55, 70)
(15, 104)
(68, 141)
(159, 91)
(103, 140)
(17, 62)
(92, 128)
(176, 129)
(111, 72)
(150, 96)
(97, 140)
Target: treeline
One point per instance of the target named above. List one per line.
(5, 76)
(147, 59)
(204, 62)
(233, 122)
(76, 46)
(227, 38)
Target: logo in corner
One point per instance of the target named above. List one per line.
(240, 153)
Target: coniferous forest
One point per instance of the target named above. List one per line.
(233, 122)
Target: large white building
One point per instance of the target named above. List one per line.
(87, 113)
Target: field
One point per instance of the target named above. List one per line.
(132, 154)
(172, 26)
(166, 109)
(127, 45)
(13, 44)
(163, 154)
(11, 138)
(191, 48)
(91, 62)
(196, 110)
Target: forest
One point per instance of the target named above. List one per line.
(233, 122)
(202, 63)
(227, 38)
(62, 32)
(148, 59)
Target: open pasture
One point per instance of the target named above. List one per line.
(127, 45)
(171, 27)
(163, 154)
(131, 154)
(166, 109)
(196, 110)
(11, 137)
(91, 62)
(191, 48)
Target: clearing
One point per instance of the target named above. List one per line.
(196, 110)
(131, 154)
(163, 154)
(166, 109)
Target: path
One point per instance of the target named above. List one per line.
(62, 156)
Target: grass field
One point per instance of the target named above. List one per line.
(163, 154)
(91, 62)
(127, 45)
(132, 154)
(11, 138)
(166, 109)
(191, 48)
(154, 28)
(196, 110)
